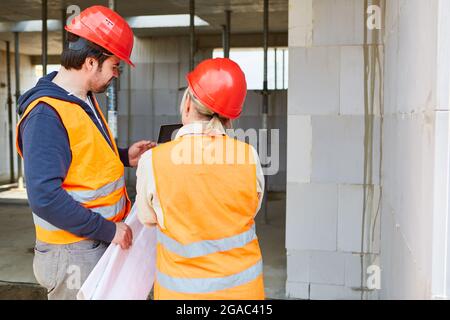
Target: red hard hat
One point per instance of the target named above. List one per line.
(105, 28)
(220, 85)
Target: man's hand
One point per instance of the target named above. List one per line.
(124, 235)
(137, 149)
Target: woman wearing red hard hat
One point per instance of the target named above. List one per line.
(203, 190)
(75, 171)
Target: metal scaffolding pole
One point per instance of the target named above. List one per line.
(192, 34)
(9, 103)
(111, 95)
(284, 66)
(276, 73)
(17, 75)
(265, 44)
(44, 37)
(112, 4)
(226, 30)
(63, 24)
(265, 107)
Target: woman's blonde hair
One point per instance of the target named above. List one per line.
(216, 124)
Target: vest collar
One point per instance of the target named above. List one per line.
(194, 128)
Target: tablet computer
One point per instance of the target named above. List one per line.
(166, 131)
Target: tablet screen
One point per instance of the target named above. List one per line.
(166, 131)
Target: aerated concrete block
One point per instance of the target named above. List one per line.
(330, 292)
(311, 217)
(300, 23)
(327, 268)
(339, 23)
(352, 81)
(299, 151)
(297, 290)
(298, 265)
(314, 81)
(353, 270)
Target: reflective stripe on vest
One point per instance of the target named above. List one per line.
(43, 224)
(91, 195)
(111, 211)
(205, 285)
(202, 248)
(106, 212)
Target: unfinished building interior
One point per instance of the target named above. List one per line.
(357, 93)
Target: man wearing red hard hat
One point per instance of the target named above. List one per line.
(75, 171)
(203, 190)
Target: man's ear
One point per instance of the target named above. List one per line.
(90, 63)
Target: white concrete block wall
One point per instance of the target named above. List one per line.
(327, 151)
(338, 149)
(415, 164)
(415, 150)
(350, 204)
(323, 275)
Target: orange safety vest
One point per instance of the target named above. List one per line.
(96, 175)
(208, 249)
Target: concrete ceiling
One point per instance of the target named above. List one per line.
(246, 17)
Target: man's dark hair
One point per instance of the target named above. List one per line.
(78, 49)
